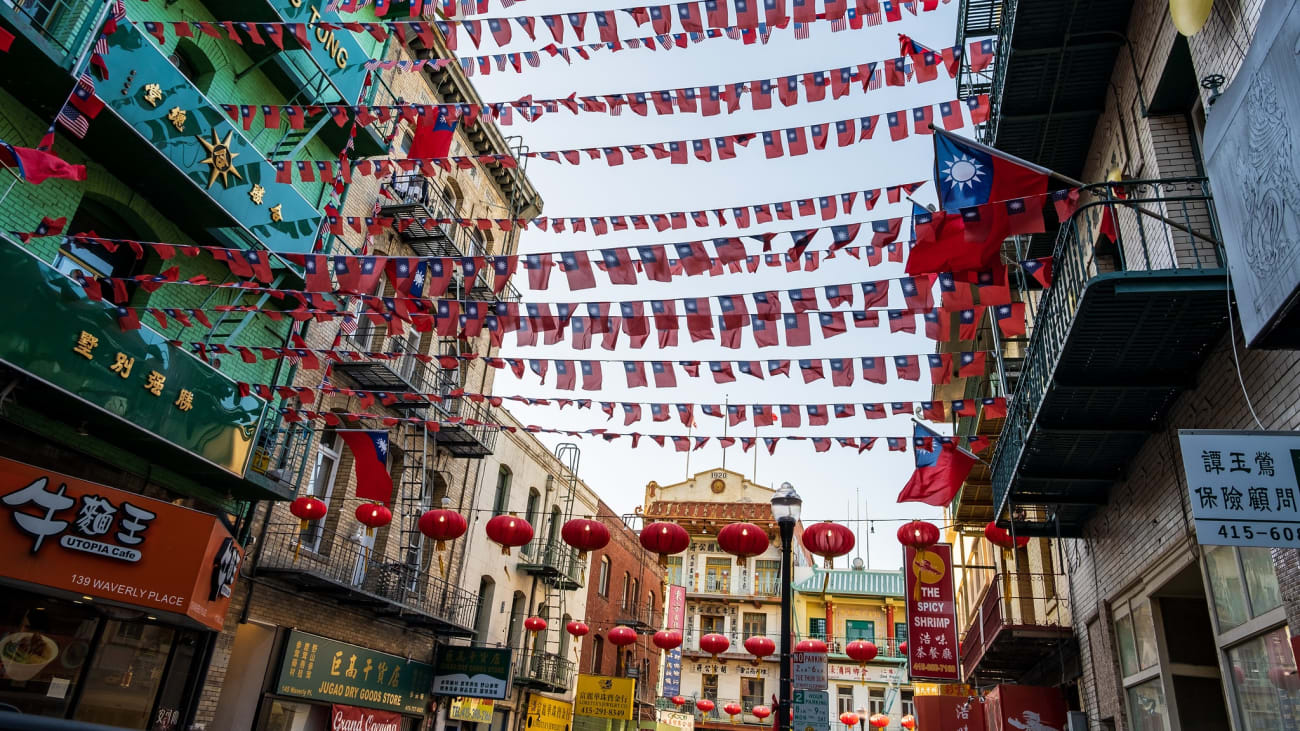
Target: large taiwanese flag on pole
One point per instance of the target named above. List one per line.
(941, 467)
(370, 454)
(968, 174)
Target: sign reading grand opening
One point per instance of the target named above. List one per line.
(604, 697)
(931, 614)
(326, 670)
(1243, 486)
(474, 672)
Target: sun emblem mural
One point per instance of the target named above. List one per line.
(220, 158)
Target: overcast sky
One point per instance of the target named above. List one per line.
(833, 484)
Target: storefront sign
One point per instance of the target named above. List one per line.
(548, 714)
(951, 713)
(960, 690)
(809, 670)
(683, 721)
(1243, 486)
(812, 711)
(91, 539)
(54, 332)
(1015, 707)
(351, 718)
(337, 52)
(864, 674)
(676, 619)
(604, 697)
(475, 672)
(931, 614)
(476, 710)
(321, 669)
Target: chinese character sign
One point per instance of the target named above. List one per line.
(82, 537)
(676, 620)
(932, 650)
(548, 714)
(1243, 486)
(949, 713)
(475, 672)
(604, 697)
(321, 669)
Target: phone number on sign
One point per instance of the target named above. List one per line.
(1257, 533)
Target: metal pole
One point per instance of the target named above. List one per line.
(787, 607)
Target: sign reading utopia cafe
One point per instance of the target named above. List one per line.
(472, 672)
(1244, 486)
(932, 651)
(64, 533)
(325, 670)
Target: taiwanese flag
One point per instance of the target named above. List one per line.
(565, 375)
(916, 292)
(693, 257)
(764, 332)
(978, 106)
(994, 407)
(971, 364)
(844, 131)
(964, 407)
(698, 322)
(500, 28)
(618, 265)
(923, 120)
(902, 321)
(772, 140)
(774, 13)
(789, 415)
(968, 174)
(940, 368)
(664, 375)
(941, 245)
(688, 15)
(886, 231)
(896, 444)
(591, 375)
(577, 267)
(654, 262)
(907, 367)
(1010, 318)
(746, 13)
(841, 372)
(659, 412)
(817, 415)
(763, 415)
(802, 300)
(932, 410)
(896, 72)
(875, 294)
(832, 324)
(778, 368)
(357, 275)
(804, 11)
(717, 13)
(635, 372)
(873, 370)
(1066, 202)
(873, 411)
(631, 414)
(795, 141)
(433, 140)
(503, 267)
(37, 166)
(797, 332)
(897, 126)
(407, 274)
(835, 9)
(1039, 269)
(968, 322)
(981, 55)
(370, 457)
(950, 114)
(941, 467)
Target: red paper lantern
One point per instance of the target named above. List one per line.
(828, 540)
(878, 720)
(761, 712)
(742, 540)
(442, 526)
(664, 539)
(902, 649)
(760, 647)
(621, 636)
(509, 532)
(704, 704)
(534, 624)
(374, 515)
(810, 646)
(308, 509)
(918, 534)
(908, 721)
(577, 629)
(733, 710)
(862, 651)
(1000, 537)
(678, 701)
(714, 644)
(585, 535)
(1284, 679)
(667, 639)
(849, 718)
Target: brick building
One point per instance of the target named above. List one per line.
(625, 587)
(1134, 341)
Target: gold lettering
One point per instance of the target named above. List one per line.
(85, 344)
(341, 58)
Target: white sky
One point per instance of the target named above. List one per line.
(827, 481)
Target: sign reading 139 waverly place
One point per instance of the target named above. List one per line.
(1243, 486)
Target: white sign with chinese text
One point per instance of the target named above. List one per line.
(1243, 486)
(809, 670)
(812, 711)
(864, 673)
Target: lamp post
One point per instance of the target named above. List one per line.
(785, 509)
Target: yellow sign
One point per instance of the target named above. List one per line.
(548, 714)
(476, 710)
(604, 697)
(960, 690)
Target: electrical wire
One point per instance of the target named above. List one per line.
(1236, 361)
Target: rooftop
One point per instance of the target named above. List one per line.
(861, 582)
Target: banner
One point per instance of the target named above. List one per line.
(950, 713)
(1013, 707)
(604, 697)
(476, 672)
(932, 645)
(320, 669)
(351, 718)
(676, 620)
(1243, 486)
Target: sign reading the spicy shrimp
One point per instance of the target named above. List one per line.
(931, 614)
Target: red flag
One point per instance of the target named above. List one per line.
(577, 268)
(971, 364)
(897, 126)
(907, 367)
(795, 141)
(941, 468)
(370, 457)
(37, 166)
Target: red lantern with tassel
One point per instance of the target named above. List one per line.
(442, 525)
(811, 645)
(828, 540)
(760, 647)
(861, 651)
(902, 649)
(585, 535)
(878, 720)
(509, 532)
(732, 709)
(535, 624)
(918, 534)
(576, 628)
(908, 721)
(849, 718)
(307, 510)
(667, 639)
(705, 705)
(761, 712)
(665, 539)
(621, 636)
(714, 644)
(742, 540)
(373, 515)
(678, 701)
(1002, 538)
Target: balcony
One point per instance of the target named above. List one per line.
(1122, 331)
(351, 575)
(555, 563)
(543, 671)
(280, 454)
(1020, 622)
(759, 587)
(640, 616)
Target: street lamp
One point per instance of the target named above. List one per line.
(862, 717)
(785, 509)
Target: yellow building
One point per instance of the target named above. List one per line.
(839, 606)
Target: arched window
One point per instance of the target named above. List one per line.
(636, 592)
(627, 587)
(650, 606)
(564, 636)
(193, 63)
(553, 530)
(483, 617)
(516, 619)
(597, 650)
(110, 219)
(602, 585)
(501, 502)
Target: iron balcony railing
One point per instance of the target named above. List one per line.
(62, 27)
(746, 704)
(1013, 601)
(543, 668)
(367, 577)
(280, 452)
(641, 613)
(554, 557)
(1143, 243)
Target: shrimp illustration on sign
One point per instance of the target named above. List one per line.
(928, 568)
(1032, 722)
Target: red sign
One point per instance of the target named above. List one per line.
(948, 713)
(87, 538)
(351, 718)
(932, 649)
(1013, 707)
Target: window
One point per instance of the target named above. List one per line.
(597, 650)
(624, 600)
(193, 64)
(751, 692)
(767, 577)
(754, 624)
(675, 571)
(650, 607)
(321, 484)
(483, 616)
(1146, 704)
(859, 629)
(602, 584)
(516, 619)
(1136, 635)
(905, 697)
(709, 686)
(1264, 676)
(900, 635)
(564, 637)
(636, 591)
(817, 628)
(875, 700)
(530, 513)
(106, 218)
(712, 624)
(1238, 599)
(501, 502)
(717, 575)
(843, 698)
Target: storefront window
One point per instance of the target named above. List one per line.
(1261, 580)
(43, 645)
(1268, 688)
(1144, 632)
(286, 716)
(128, 668)
(1225, 583)
(1146, 704)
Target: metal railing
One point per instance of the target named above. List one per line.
(717, 584)
(369, 574)
(542, 667)
(1013, 600)
(1143, 243)
(553, 554)
(746, 704)
(641, 613)
(65, 25)
(280, 452)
